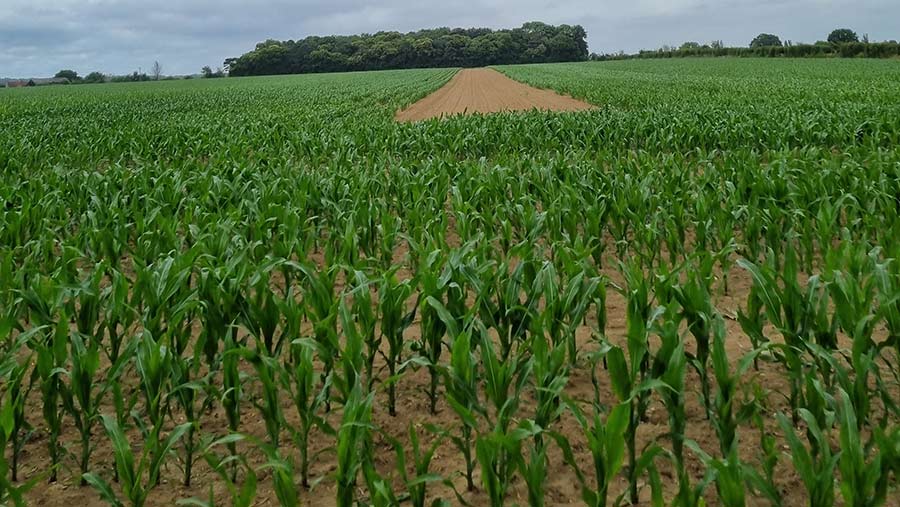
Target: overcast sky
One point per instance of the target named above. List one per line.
(39, 37)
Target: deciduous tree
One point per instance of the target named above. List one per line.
(842, 36)
(765, 40)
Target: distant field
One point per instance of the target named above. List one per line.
(690, 292)
(735, 103)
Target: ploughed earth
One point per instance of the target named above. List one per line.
(485, 91)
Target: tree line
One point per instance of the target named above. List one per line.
(156, 74)
(842, 42)
(533, 42)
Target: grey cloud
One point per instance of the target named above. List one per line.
(38, 37)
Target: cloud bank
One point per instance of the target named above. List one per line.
(39, 37)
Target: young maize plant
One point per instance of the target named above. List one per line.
(354, 436)
(595, 218)
(12, 425)
(262, 313)
(503, 383)
(499, 454)
(497, 450)
(888, 443)
(299, 378)
(499, 302)
(816, 469)
(352, 355)
(282, 471)
(461, 382)
(381, 494)
(231, 394)
(696, 309)
(829, 222)
(652, 234)
(620, 221)
(421, 458)
(268, 405)
(83, 304)
(887, 280)
(154, 365)
(219, 289)
(726, 255)
(631, 379)
(364, 316)
(764, 484)
(118, 317)
(244, 495)
(752, 321)
(551, 374)
(606, 443)
(16, 389)
(10, 493)
(322, 305)
(534, 471)
(392, 300)
(729, 474)
(467, 217)
(668, 372)
(864, 471)
(345, 247)
(823, 322)
(137, 475)
(790, 311)
(853, 299)
(52, 356)
(240, 496)
(389, 230)
(165, 298)
(188, 386)
(727, 412)
(564, 307)
(83, 396)
(433, 281)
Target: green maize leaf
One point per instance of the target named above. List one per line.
(620, 374)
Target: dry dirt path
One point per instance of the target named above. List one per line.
(486, 91)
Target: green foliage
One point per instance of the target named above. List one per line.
(207, 73)
(298, 377)
(71, 75)
(421, 458)
(51, 358)
(392, 299)
(765, 40)
(816, 469)
(354, 445)
(94, 77)
(138, 475)
(534, 42)
(499, 453)
(461, 380)
(606, 441)
(885, 49)
(12, 422)
(842, 36)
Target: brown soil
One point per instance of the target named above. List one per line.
(487, 91)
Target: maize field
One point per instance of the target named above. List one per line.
(265, 291)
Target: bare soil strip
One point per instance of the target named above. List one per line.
(485, 91)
